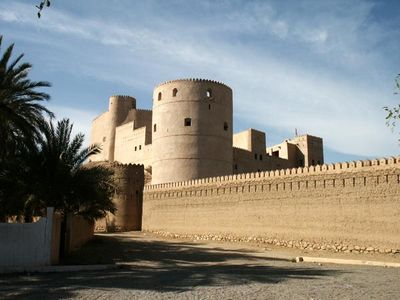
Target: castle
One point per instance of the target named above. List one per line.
(208, 183)
(188, 135)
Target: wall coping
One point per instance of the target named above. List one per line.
(291, 172)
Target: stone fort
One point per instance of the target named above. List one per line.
(204, 181)
(188, 135)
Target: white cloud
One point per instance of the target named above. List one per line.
(338, 101)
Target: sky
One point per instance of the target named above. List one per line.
(325, 68)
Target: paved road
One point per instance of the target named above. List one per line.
(165, 269)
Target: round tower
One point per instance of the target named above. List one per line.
(192, 130)
(118, 109)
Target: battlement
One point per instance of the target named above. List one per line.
(332, 168)
(122, 97)
(144, 110)
(193, 80)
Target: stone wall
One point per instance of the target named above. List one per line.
(128, 197)
(345, 206)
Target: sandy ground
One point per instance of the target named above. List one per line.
(155, 268)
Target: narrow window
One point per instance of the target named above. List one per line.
(188, 122)
(174, 92)
(209, 106)
(140, 147)
(226, 126)
(155, 127)
(159, 96)
(236, 167)
(255, 155)
(260, 156)
(135, 148)
(209, 93)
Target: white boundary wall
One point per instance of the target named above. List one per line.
(29, 244)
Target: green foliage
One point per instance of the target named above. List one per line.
(64, 182)
(41, 165)
(393, 113)
(21, 113)
(41, 6)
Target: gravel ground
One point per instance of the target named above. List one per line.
(165, 269)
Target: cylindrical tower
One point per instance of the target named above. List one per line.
(192, 130)
(119, 107)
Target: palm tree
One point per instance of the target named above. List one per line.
(20, 110)
(61, 180)
(20, 117)
(57, 177)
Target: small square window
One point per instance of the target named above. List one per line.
(188, 122)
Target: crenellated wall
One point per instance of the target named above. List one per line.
(344, 204)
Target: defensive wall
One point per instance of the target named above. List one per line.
(128, 196)
(343, 206)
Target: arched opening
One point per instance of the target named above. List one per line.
(226, 126)
(174, 92)
(154, 127)
(209, 93)
(159, 96)
(188, 122)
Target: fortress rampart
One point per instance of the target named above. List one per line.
(128, 197)
(350, 205)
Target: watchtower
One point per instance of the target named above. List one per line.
(192, 130)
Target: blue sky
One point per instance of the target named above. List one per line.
(324, 67)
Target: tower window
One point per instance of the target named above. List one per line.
(188, 122)
(255, 156)
(140, 147)
(209, 93)
(155, 127)
(260, 156)
(159, 96)
(226, 126)
(174, 92)
(209, 106)
(236, 166)
(135, 148)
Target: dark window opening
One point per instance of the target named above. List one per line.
(155, 127)
(135, 148)
(209, 106)
(209, 93)
(260, 156)
(226, 126)
(258, 170)
(188, 122)
(275, 153)
(140, 147)
(255, 156)
(236, 167)
(159, 96)
(174, 92)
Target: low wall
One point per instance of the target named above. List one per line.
(342, 206)
(80, 231)
(24, 245)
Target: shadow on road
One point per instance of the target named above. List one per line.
(156, 265)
